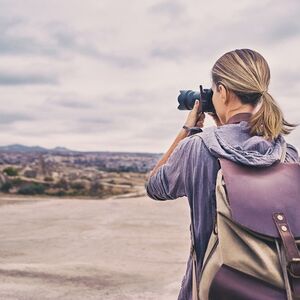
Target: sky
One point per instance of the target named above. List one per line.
(105, 75)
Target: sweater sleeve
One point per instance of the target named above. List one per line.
(169, 181)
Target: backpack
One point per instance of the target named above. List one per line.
(253, 251)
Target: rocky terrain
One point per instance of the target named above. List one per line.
(63, 172)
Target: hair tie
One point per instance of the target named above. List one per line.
(263, 93)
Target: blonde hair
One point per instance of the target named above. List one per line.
(246, 73)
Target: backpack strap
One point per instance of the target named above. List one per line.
(292, 254)
(283, 153)
(282, 260)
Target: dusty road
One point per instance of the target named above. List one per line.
(116, 249)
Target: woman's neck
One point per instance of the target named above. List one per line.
(233, 112)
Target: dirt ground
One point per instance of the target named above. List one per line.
(127, 248)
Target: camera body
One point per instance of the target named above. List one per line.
(187, 99)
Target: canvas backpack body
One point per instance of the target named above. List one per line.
(253, 250)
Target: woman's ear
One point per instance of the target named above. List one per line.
(224, 94)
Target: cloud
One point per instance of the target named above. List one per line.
(9, 78)
(14, 40)
(171, 8)
(106, 75)
(168, 53)
(104, 122)
(70, 101)
(10, 118)
(58, 40)
(74, 41)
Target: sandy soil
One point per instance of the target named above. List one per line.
(128, 248)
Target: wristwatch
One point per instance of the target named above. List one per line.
(192, 130)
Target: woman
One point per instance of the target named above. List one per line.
(249, 131)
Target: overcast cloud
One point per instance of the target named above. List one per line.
(105, 75)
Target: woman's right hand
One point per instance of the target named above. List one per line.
(216, 118)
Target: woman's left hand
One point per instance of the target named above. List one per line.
(196, 116)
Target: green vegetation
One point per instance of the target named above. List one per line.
(6, 186)
(62, 184)
(96, 189)
(31, 189)
(77, 185)
(16, 181)
(56, 193)
(65, 186)
(10, 171)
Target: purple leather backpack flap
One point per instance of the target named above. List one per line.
(255, 194)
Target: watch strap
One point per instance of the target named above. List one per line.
(192, 130)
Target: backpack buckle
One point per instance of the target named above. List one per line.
(293, 267)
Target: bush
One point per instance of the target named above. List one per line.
(76, 193)
(62, 184)
(6, 186)
(77, 185)
(31, 189)
(48, 178)
(96, 188)
(10, 171)
(60, 193)
(55, 193)
(16, 181)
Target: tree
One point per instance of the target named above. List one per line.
(6, 186)
(31, 189)
(10, 171)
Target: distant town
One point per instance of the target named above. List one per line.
(26, 170)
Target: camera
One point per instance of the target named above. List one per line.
(187, 99)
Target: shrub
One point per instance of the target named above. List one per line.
(31, 189)
(55, 193)
(62, 184)
(16, 181)
(60, 193)
(10, 171)
(77, 185)
(6, 186)
(96, 188)
(48, 178)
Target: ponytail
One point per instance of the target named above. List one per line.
(268, 121)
